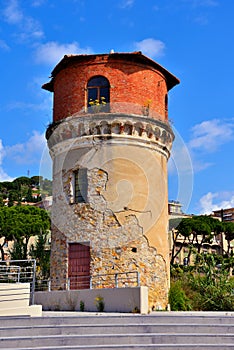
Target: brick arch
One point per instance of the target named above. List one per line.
(98, 88)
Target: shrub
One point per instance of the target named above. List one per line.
(82, 305)
(100, 305)
(205, 286)
(177, 298)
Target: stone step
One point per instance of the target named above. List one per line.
(98, 329)
(118, 339)
(136, 347)
(163, 330)
(32, 310)
(156, 318)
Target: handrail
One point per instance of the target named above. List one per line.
(108, 280)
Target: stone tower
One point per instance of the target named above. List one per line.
(110, 141)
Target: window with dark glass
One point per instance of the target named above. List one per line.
(81, 185)
(98, 93)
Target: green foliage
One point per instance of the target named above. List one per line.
(177, 298)
(207, 285)
(99, 302)
(174, 223)
(13, 196)
(22, 189)
(82, 306)
(46, 187)
(196, 231)
(35, 180)
(42, 256)
(228, 229)
(213, 284)
(17, 252)
(19, 223)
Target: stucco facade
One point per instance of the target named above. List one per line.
(123, 215)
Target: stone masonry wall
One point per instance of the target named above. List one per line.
(115, 247)
(125, 152)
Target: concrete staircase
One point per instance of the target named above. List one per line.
(14, 300)
(159, 330)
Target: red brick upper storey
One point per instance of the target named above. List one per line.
(137, 84)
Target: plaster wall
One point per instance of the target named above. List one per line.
(115, 300)
(127, 197)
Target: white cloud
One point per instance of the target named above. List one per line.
(2, 153)
(41, 100)
(3, 174)
(209, 135)
(150, 47)
(44, 105)
(37, 3)
(52, 52)
(4, 46)
(12, 13)
(28, 152)
(202, 20)
(216, 201)
(126, 3)
(202, 3)
(199, 165)
(29, 28)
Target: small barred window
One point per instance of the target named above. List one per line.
(80, 185)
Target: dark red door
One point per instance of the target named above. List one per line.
(79, 265)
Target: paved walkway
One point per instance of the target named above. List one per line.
(155, 313)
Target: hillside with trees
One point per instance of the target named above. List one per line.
(24, 189)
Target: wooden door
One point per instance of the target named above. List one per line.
(79, 265)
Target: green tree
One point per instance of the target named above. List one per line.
(36, 180)
(194, 231)
(177, 297)
(1, 200)
(20, 223)
(212, 283)
(42, 256)
(22, 180)
(13, 196)
(46, 187)
(228, 229)
(5, 233)
(20, 189)
(29, 197)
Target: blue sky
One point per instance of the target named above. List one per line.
(193, 39)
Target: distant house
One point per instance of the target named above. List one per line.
(218, 245)
(44, 203)
(175, 210)
(226, 215)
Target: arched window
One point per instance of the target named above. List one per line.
(98, 92)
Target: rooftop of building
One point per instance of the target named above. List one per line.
(136, 57)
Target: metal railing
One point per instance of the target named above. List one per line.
(113, 280)
(19, 271)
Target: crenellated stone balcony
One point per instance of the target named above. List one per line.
(110, 126)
